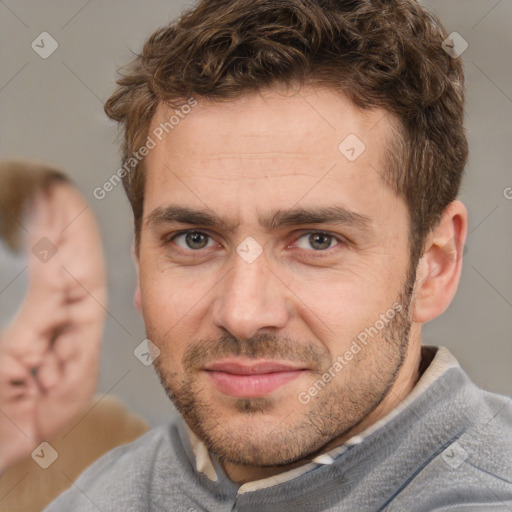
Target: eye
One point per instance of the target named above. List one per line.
(194, 240)
(317, 241)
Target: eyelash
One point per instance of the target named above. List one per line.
(341, 241)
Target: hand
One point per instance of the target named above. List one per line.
(49, 353)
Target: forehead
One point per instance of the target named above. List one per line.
(312, 145)
(309, 122)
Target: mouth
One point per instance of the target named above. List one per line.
(251, 379)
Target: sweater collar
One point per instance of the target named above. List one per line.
(436, 361)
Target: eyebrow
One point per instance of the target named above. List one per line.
(335, 215)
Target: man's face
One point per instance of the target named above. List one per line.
(265, 252)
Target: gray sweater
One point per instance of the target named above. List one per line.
(447, 447)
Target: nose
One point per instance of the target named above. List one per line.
(250, 298)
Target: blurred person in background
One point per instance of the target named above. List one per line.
(49, 352)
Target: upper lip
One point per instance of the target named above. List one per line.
(252, 368)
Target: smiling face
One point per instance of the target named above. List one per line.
(265, 252)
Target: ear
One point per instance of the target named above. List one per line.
(440, 267)
(137, 299)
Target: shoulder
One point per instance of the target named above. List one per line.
(474, 468)
(122, 478)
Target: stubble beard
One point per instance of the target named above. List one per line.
(264, 439)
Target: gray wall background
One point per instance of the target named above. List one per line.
(52, 109)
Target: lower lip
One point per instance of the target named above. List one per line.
(251, 386)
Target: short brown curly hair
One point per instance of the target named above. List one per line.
(379, 53)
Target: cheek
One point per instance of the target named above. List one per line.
(346, 293)
(173, 304)
(338, 304)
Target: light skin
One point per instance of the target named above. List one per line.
(49, 352)
(251, 163)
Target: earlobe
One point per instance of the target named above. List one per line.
(440, 267)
